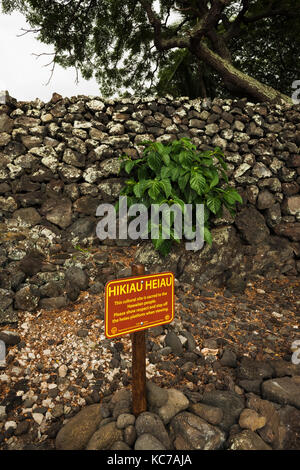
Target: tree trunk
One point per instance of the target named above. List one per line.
(203, 92)
(235, 80)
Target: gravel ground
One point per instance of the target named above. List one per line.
(63, 360)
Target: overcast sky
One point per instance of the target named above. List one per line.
(24, 75)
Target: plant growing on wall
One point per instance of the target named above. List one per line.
(179, 174)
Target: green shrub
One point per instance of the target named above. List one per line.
(179, 174)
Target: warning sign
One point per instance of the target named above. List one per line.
(136, 303)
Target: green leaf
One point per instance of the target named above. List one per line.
(215, 179)
(180, 202)
(154, 161)
(142, 173)
(207, 235)
(198, 182)
(183, 180)
(163, 246)
(141, 187)
(232, 196)
(213, 203)
(165, 172)
(166, 186)
(154, 190)
(186, 159)
(175, 172)
(225, 177)
(129, 165)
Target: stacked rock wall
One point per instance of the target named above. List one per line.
(59, 161)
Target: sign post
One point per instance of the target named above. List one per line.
(139, 402)
(133, 305)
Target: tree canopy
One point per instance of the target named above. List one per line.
(195, 47)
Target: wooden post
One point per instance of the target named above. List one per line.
(139, 402)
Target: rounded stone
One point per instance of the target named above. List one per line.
(124, 420)
(78, 431)
(148, 442)
(250, 419)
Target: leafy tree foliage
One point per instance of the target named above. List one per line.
(267, 49)
(125, 43)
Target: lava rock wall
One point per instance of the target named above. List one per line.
(59, 161)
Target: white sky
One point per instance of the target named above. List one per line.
(24, 75)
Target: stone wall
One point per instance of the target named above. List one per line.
(59, 161)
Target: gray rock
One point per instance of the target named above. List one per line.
(26, 299)
(211, 414)
(8, 204)
(290, 420)
(6, 298)
(76, 276)
(125, 420)
(190, 432)
(6, 123)
(284, 390)
(265, 200)
(29, 402)
(250, 419)
(252, 225)
(150, 423)
(105, 437)
(253, 370)
(174, 342)
(191, 343)
(283, 368)
(82, 333)
(57, 411)
(230, 403)
(120, 445)
(78, 431)
(148, 442)
(53, 302)
(236, 283)
(58, 212)
(251, 385)
(156, 396)
(228, 358)
(272, 432)
(197, 306)
(27, 217)
(11, 338)
(247, 440)
(176, 402)
(121, 407)
(130, 435)
(22, 428)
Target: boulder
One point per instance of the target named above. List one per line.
(247, 440)
(190, 432)
(229, 402)
(284, 390)
(150, 423)
(105, 437)
(252, 226)
(76, 434)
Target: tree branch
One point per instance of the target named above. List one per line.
(219, 44)
(234, 27)
(161, 43)
(209, 20)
